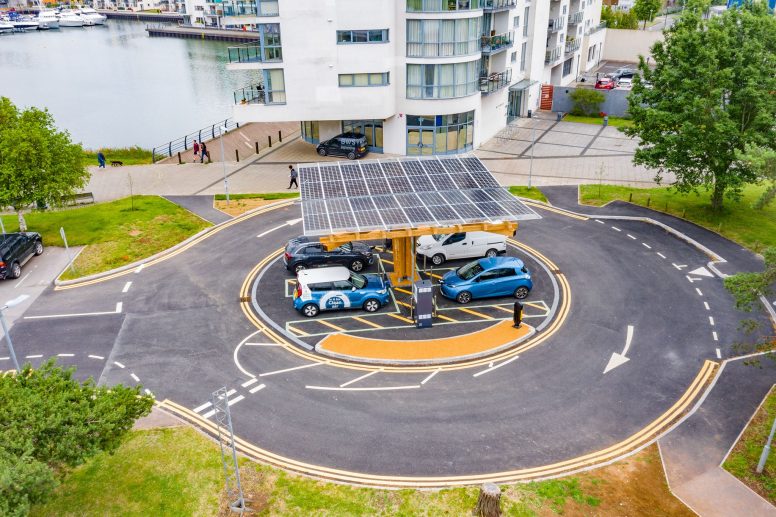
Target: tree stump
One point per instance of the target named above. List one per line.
(489, 501)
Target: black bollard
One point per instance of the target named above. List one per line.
(517, 316)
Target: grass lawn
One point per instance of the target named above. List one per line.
(116, 234)
(742, 461)
(128, 155)
(613, 121)
(178, 472)
(755, 229)
(529, 192)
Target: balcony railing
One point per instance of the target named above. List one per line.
(492, 44)
(494, 5)
(252, 53)
(572, 45)
(577, 17)
(495, 82)
(553, 55)
(256, 94)
(557, 24)
(239, 8)
(597, 28)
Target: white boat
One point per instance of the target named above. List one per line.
(68, 18)
(5, 26)
(23, 24)
(48, 18)
(87, 13)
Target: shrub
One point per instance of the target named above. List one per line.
(586, 101)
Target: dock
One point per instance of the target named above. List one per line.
(142, 17)
(181, 31)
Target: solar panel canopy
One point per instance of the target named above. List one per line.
(392, 194)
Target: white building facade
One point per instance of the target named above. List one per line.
(417, 77)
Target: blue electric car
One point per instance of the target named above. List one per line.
(485, 278)
(334, 288)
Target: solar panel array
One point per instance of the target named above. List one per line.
(392, 194)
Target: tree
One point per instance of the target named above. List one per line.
(646, 10)
(710, 95)
(586, 101)
(50, 422)
(763, 162)
(37, 161)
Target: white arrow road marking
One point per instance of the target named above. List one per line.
(678, 266)
(620, 359)
(293, 221)
(702, 271)
(140, 268)
(290, 222)
(491, 368)
(693, 279)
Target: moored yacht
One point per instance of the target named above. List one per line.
(5, 26)
(48, 18)
(87, 13)
(68, 18)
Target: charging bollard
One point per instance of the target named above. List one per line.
(517, 316)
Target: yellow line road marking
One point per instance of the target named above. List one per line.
(400, 317)
(385, 260)
(402, 290)
(556, 210)
(405, 304)
(534, 305)
(499, 307)
(478, 314)
(446, 318)
(362, 320)
(436, 276)
(296, 330)
(332, 325)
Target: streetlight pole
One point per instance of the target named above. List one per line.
(11, 303)
(223, 163)
(766, 450)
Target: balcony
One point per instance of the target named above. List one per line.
(252, 53)
(577, 17)
(597, 28)
(551, 56)
(494, 82)
(239, 8)
(557, 24)
(572, 45)
(497, 43)
(442, 6)
(490, 6)
(256, 94)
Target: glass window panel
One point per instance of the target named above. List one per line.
(376, 36)
(376, 79)
(359, 36)
(346, 80)
(360, 79)
(452, 138)
(441, 139)
(344, 37)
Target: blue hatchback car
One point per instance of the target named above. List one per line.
(484, 278)
(334, 288)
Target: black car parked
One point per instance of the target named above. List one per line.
(15, 250)
(302, 253)
(351, 145)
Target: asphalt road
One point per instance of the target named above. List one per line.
(179, 324)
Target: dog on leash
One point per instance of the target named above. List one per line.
(116, 163)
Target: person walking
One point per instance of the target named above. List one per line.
(203, 153)
(101, 160)
(292, 174)
(196, 150)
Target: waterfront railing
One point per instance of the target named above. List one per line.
(187, 141)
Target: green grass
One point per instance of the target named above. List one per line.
(268, 196)
(613, 121)
(128, 155)
(738, 221)
(529, 192)
(115, 234)
(742, 462)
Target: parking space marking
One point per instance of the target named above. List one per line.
(402, 318)
(126, 287)
(402, 290)
(404, 304)
(310, 365)
(330, 325)
(510, 311)
(367, 322)
(385, 260)
(249, 382)
(257, 388)
(491, 368)
(442, 317)
(646, 245)
(140, 268)
(22, 280)
(478, 314)
(429, 377)
(661, 255)
(296, 330)
(361, 377)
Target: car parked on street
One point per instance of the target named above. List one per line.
(486, 278)
(350, 145)
(15, 250)
(606, 83)
(442, 247)
(626, 83)
(303, 253)
(335, 288)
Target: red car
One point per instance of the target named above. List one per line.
(605, 83)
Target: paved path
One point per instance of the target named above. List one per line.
(202, 206)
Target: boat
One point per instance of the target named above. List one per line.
(5, 26)
(87, 13)
(68, 18)
(48, 18)
(22, 23)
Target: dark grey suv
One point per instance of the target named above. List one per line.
(15, 250)
(350, 145)
(302, 253)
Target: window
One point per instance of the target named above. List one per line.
(275, 86)
(435, 6)
(311, 132)
(371, 129)
(362, 36)
(442, 81)
(513, 59)
(525, 21)
(440, 134)
(567, 65)
(441, 38)
(523, 51)
(376, 79)
(268, 8)
(516, 22)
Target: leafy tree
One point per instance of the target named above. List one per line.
(763, 162)
(37, 161)
(618, 19)
(586, 101)
(708, 97)
(747, 288)
(646, 10)
(50, 422)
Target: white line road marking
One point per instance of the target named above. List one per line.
(631, 236)
(119, 306)
(431, 375)
(383, 388)
(4, 358)
(22, 280)
(711, 321)
(203, 406)
(700, 293)
(646, 245)
(119, 364)
(661, 255)
(140, 268)
(257, 388)
(693, 279)
(65, 355)
(360, 378)
(97, 357)
(68, 315)
(126, 287)
(262, 344)
(495, 367)
(714, 335)
(134, 377)
(209, 413)
(236, 400)
(249, 382)
(616, 229)
(231, 392)
(620, 359)
(599, 221)
(706, 305)
(33, 356)
(267, 374)
(270, 231)
(148, 392)
(719, 353)
(678, 266)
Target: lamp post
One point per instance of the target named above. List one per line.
(766, 450)
(9, 304)
(223, 163)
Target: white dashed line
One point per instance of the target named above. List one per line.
(126, 287)
(616, 229)
(249, 382)
(119, 364)
(711, 321)
(65, 355)
(714, 335)
(431, 375)
(119, 306)
(646, 245)
(4, 358)
(719, 353)
(495, 367)
(257, 388)
(33, 356)
(236, 400)
(360, 378)
(706, 305)
(661, 255)
(203, 406)
(96, 357)
(631, 236)
(700, 293)
(134, 377)
(290, 369)
(601, 222)
(139, 268)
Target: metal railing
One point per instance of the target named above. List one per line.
(497, 4)
(495, 82)
(251, 53)
(553, 55)
(577, 17)
(497, 42)
(573, 45)
(239, 8)
(185, 142)
(256, 94)
(597, 28)
(557, 24)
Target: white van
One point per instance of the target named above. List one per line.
(461, 245)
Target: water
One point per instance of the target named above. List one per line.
(114, 86)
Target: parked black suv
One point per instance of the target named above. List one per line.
(351, 145)
(15, 250)
(302, 253)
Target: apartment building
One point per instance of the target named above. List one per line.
(417, 77)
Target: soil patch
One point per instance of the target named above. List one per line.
(240, 206)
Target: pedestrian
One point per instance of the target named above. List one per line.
(292, 174)
(101, 160)
(203, 153)
(196, 150)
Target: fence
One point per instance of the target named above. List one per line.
(184, 143)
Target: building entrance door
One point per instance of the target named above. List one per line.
(515, 104)
(420, 141)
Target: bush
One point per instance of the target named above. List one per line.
(586, 101)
